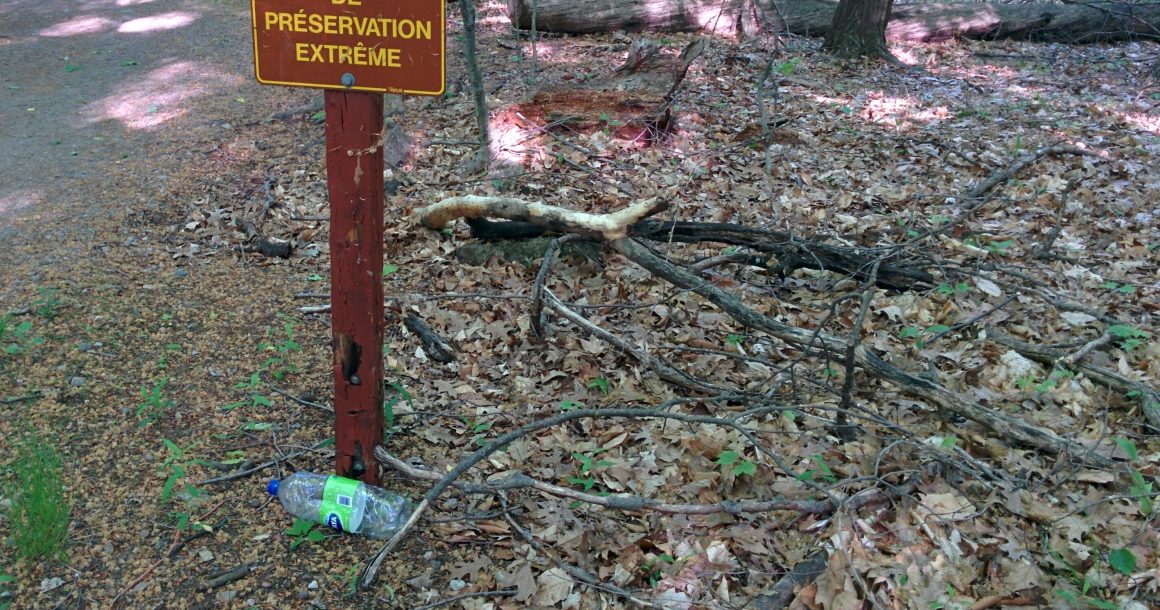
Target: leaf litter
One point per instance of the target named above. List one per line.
(871, 157)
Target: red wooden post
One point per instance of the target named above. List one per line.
(354, 179)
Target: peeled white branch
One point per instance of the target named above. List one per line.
(613, 225)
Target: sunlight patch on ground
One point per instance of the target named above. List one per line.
(164, 21)
(132, 2)
(88, 24)
(510, 141)
(160, 96)
(1140, 120)
(19, 200)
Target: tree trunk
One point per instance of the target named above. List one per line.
(859, 28)
(1097, 21)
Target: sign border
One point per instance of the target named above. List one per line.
(338, 86)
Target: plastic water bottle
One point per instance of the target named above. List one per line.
(345, 504)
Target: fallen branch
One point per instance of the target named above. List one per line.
(225, 577)
(1150, 398)
(264, 465)
(603, 226)
(574, 571)
(10, 400)
(625, 502)
(434, 345)
(302, 401)
(930, 391)
(451, 600)
(792, 251)
(370, 572)
(801, 575)
(662, 368)
(541, 277)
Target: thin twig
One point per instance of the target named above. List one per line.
(662, 368)
(466, 463)
(264, 465)
(542, 276)
(301, 401)
(463, 596)
(853, 340)
(574, 571)
(227, 576)
(625, 502)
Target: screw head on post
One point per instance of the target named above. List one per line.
(348, 80)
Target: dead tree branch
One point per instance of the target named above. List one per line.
(1149, 398)
(602, 226)
(930, 391)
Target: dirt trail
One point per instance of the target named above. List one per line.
(95, 96)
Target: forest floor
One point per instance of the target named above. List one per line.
(156, 354)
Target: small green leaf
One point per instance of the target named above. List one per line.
(1129, 448)
(570, 405)
(389, 268)
(1122, 561)
(745, 467)
(948, 441)
(726, 458)
(908, 332)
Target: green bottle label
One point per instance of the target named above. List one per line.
(337, 502)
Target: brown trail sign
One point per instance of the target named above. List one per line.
(357, 50)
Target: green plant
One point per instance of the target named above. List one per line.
(1122, 561)
(163, 361)
(176, 465)
(478, 428)
(5, 595)
(570, 405)
(175, 468)
(1085, 584)
(1140, 487)
(398, 392)
(304, 531)
(154, 404)
(15, 339)
(953, 289)
(588, 467)
(39, 516)
(1130, 337)
(787, 68)
(652, 567)
(734, 339)
(600, 384)
(1057, 375)
(739, 465)
(822, 471)
(389, 268)
(48, 305)
(1120, 288)
(276, 364)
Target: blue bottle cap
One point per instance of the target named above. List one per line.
(272, 487)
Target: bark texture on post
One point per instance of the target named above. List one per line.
(354, 180)
(859, 28)
(1097, 21)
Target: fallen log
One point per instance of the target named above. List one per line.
(1069, 22)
